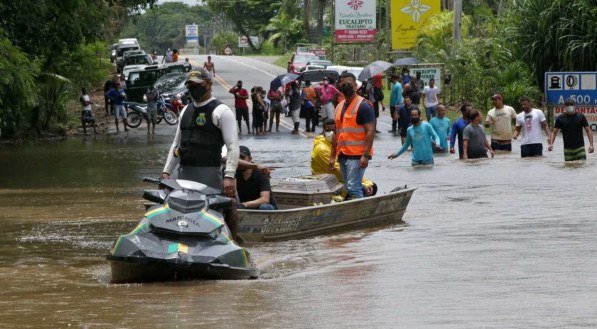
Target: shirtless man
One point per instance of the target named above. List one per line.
(209, 65)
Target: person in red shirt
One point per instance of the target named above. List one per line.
(240, 104)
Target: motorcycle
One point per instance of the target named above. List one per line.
(182, 236)
(137, 112)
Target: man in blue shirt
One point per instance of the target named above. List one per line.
(458, 129)
(421, 136)
(441, 125)
(117, 96)
(396, 100)
(403, 116)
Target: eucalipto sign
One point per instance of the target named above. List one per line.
(355, 21)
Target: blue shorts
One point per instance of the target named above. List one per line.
(422, 162)
(431, 111)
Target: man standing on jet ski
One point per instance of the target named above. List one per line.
(205, 126)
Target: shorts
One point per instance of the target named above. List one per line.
(531, 150)
(422, 162)
(119, 112)
(242, 114)
(295, 116)
(276, 108)
(575, 154)
(501, 147)
(152, 116)
(403, 131)
(431, 111)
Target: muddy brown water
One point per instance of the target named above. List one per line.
(496, 243)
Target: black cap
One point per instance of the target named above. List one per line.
(244, 151)
(329, 121)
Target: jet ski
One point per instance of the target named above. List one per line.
(182, 236)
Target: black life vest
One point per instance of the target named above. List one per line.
(200, 141)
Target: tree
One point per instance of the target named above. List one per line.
(554, 35)
(248, 17)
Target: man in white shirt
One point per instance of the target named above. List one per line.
(531, 121)
(205, 126)
(431, 101)
(500, 117)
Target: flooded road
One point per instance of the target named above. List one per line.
(496, 243)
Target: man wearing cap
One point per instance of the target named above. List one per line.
(571, 124)
(353, 139)
(500, 117)
(254, 189)
(327, 93)
(205, 126)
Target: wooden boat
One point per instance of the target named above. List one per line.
(296, 221)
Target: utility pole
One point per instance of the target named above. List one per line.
(457, 35)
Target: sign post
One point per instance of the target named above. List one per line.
(408, 17)
(355, 21)
(581, 86)
(192, 35)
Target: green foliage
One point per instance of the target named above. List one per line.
(223, 39)
(248, 17)
(163, 26)
(554, 35)
(481, 64)
(17, 89)
(43, 44)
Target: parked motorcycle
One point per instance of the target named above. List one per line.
(137, 112)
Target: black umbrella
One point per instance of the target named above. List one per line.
(406, 61)
(374, 69)
(282, 80)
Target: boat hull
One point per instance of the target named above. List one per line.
(297, 223)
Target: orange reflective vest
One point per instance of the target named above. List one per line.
(350, 139)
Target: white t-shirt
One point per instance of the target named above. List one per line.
(502, 122)
(88, 106)
(531, 126)
(431, 96)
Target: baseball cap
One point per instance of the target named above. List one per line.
(496, 96)
(199, 76)
(244, 151)
(570, 101)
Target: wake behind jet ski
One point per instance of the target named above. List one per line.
(182, 237)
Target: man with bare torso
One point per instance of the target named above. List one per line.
(209, 66)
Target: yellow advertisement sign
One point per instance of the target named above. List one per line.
(408, 17)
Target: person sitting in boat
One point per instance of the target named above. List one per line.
(322, 148)
(253, 188)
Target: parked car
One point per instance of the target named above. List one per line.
(113, 50)
(136, 53)
(356, 70)
(319, 64)
(129, 68)
(299, 60)
(138, 81)
(316, 76)
(120, 51)
(171, 85)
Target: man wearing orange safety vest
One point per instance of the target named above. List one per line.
(353, 138)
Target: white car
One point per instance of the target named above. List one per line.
(127, 69)
(356, 70)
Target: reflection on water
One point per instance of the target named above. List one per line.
(503, 242)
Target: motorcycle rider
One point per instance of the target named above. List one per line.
(205, 126)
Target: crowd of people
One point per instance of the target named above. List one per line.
(345, 145)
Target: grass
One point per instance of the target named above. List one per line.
(283, 60)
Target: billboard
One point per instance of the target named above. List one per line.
(407, 18)
(581, 86)
(243, 41)
(355, 21)
(192, 34)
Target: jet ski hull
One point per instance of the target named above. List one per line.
(143, 269)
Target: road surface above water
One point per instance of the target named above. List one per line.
(495, 243)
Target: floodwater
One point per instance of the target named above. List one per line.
(496, 243)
